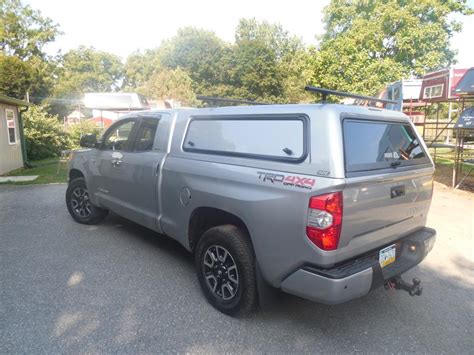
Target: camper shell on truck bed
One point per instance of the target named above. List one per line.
(324, 201)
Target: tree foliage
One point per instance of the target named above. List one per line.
(44, 134)
(82, 70)
(369, 43)
(170, 84)
(86, 69)
(139, 67)
(24, 31)
(77, 130)
(199, 52)
(24, 66)
(366, 44)
(264, 63)
(15, 76)
(261, 59)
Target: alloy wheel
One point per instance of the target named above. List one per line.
(80, 202)
(220, 272)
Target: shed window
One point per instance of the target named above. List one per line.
(262, 138)
(434, 91)
(11, 126)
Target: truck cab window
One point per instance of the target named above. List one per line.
(146, 135)
(118, 137)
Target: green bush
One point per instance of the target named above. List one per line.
(44, 134)
(77, 130)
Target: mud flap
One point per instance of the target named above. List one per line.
(267, 295)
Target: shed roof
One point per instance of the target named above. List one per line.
(12, 101)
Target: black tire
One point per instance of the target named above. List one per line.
(79, 205)
(237, 243)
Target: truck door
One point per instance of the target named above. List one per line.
(128, 172)
(107, 167)
(139, 192)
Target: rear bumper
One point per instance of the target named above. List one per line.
(355, 278)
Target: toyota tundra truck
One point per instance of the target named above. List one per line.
(323, 201)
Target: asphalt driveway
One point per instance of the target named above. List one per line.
(118, 287)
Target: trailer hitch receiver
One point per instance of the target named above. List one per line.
(399, 284)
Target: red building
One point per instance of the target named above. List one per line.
(439, 85)
(101, 122)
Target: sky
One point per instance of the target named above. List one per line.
(121, 27)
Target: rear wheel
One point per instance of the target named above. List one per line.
(225, 265)
(79, 205)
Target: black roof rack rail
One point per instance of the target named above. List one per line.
(326, 92)
(234, 101)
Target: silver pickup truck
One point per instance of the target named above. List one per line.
(323, 201)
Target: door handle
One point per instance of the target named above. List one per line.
(116, 162)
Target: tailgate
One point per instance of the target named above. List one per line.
(389, 178)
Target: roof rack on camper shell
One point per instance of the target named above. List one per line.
(212, 99)
(326, 92)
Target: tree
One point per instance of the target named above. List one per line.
(253, 71)
(279, 41)
(24, 30)
(77, 130)
(297, 75)
(198, 52)
(44, 135)
(368, 44)
(15, 76)
(86, 69)
(170, 84)
(24, 66)
(140, 66)
(266, 63)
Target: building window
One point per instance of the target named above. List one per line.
(11, 126)
(432, 92)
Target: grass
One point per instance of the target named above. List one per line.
(449, 163)
(46, 169)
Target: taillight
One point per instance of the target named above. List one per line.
(324, 223)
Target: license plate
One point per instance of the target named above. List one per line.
(387, 255)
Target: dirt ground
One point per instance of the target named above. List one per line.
(444, 175)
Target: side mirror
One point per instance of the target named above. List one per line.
(88, 141)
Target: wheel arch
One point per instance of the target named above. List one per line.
(204, 218)
(75, 173)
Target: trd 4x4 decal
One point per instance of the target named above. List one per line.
(287, 180)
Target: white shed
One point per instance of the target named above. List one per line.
(11, 134)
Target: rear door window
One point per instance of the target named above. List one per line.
(372, 145)
(272, 139)
(146, 135)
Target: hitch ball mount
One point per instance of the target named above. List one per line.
(399, 284)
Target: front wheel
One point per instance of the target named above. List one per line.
(79, 205)
(225, 264)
